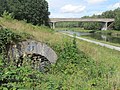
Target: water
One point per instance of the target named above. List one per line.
(103, 37)
(76, 33)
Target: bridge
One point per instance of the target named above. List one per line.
(103, 20)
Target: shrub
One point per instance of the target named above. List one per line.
(7, 15)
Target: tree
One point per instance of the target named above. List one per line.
(3, 6)
(108, 14)
(33, 11)
(117, 21)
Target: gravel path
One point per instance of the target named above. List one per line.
(98, 43)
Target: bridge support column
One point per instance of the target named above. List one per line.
(105, 27)
(53, 25)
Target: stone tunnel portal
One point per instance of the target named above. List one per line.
(39, 53)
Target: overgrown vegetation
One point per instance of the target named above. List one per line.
(73, 70)
(96, 68)
(33, 11)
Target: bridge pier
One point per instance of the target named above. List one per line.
(105, 27)
(53, 25)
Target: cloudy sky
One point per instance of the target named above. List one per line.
(79, 8)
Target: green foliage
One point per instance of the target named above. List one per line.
(117, 20)
(7, 15)
(108, 14)
(19, 78)
(78, 70)
(67, 24)
(34, 11)
(7, 37)
(92, 25)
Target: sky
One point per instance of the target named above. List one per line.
(79, 8)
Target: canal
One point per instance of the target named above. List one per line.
(98, 36)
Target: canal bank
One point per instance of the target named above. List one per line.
(95, 42)
(99, 37)
(109, 32)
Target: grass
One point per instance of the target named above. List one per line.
(43, 34)
(111, 32)
(107, 57)
(100, 54)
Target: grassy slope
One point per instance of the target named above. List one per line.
(42, 34)
(99, 54)
(46, 35)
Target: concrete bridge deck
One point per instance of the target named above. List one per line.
(83, 19)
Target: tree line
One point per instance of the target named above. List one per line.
(108, 14)
(32, 11)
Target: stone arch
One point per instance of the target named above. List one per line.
(39, 53)
(35, 47)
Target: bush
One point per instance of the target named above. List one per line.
(7, 15)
